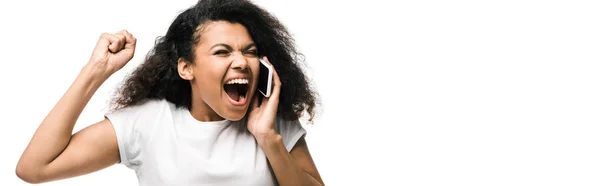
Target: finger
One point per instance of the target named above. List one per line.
(276, 83)
(264, 58)
(120, 41)
(116, 43)
(113, 47)
(130, 41)
(121, 32)
(103, 41)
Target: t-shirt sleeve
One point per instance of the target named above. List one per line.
(128, 123)
(290, 131)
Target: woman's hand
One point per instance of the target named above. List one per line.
(261, 119)
(111, 53)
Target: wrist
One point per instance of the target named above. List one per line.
(93, 72)
(268, 140)
(92, 76)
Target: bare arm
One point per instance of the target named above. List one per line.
(53, 152)
(293, 168)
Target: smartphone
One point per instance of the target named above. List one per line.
(265, 78)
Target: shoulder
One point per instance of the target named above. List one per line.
(283, 124)
(147, 107)
(148, 104)
(143, 113)
(290, 130)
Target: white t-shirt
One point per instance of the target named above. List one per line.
(167, 146)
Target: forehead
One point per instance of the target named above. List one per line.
(214, 32)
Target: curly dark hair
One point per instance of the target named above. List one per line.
(157, 76)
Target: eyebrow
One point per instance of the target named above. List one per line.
(249, 46)
(223, 45)
(230, 48)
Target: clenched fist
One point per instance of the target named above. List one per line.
(112, 52)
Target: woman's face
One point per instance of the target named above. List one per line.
(224, 72)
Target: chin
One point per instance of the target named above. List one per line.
(234, 115)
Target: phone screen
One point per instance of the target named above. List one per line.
(263, 79)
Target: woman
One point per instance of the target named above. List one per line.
(188, 115)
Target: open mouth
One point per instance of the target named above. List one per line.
(237, 90)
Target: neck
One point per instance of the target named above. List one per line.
(202, 112)
(201, 115)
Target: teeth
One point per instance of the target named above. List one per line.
(237, 81)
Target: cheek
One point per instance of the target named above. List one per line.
(210, 78)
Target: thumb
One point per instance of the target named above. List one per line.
(103, 42)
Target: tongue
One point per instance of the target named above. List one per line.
(232, 92)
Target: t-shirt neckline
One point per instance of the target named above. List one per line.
(189, 116)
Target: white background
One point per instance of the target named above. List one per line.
(414, 93)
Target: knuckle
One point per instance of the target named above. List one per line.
(104, 35)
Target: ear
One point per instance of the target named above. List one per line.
(185, 70)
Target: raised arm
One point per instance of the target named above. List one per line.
(53, 152)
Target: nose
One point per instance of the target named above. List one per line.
(239, 62)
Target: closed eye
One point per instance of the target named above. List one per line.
(221, 52)
(253, 52)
